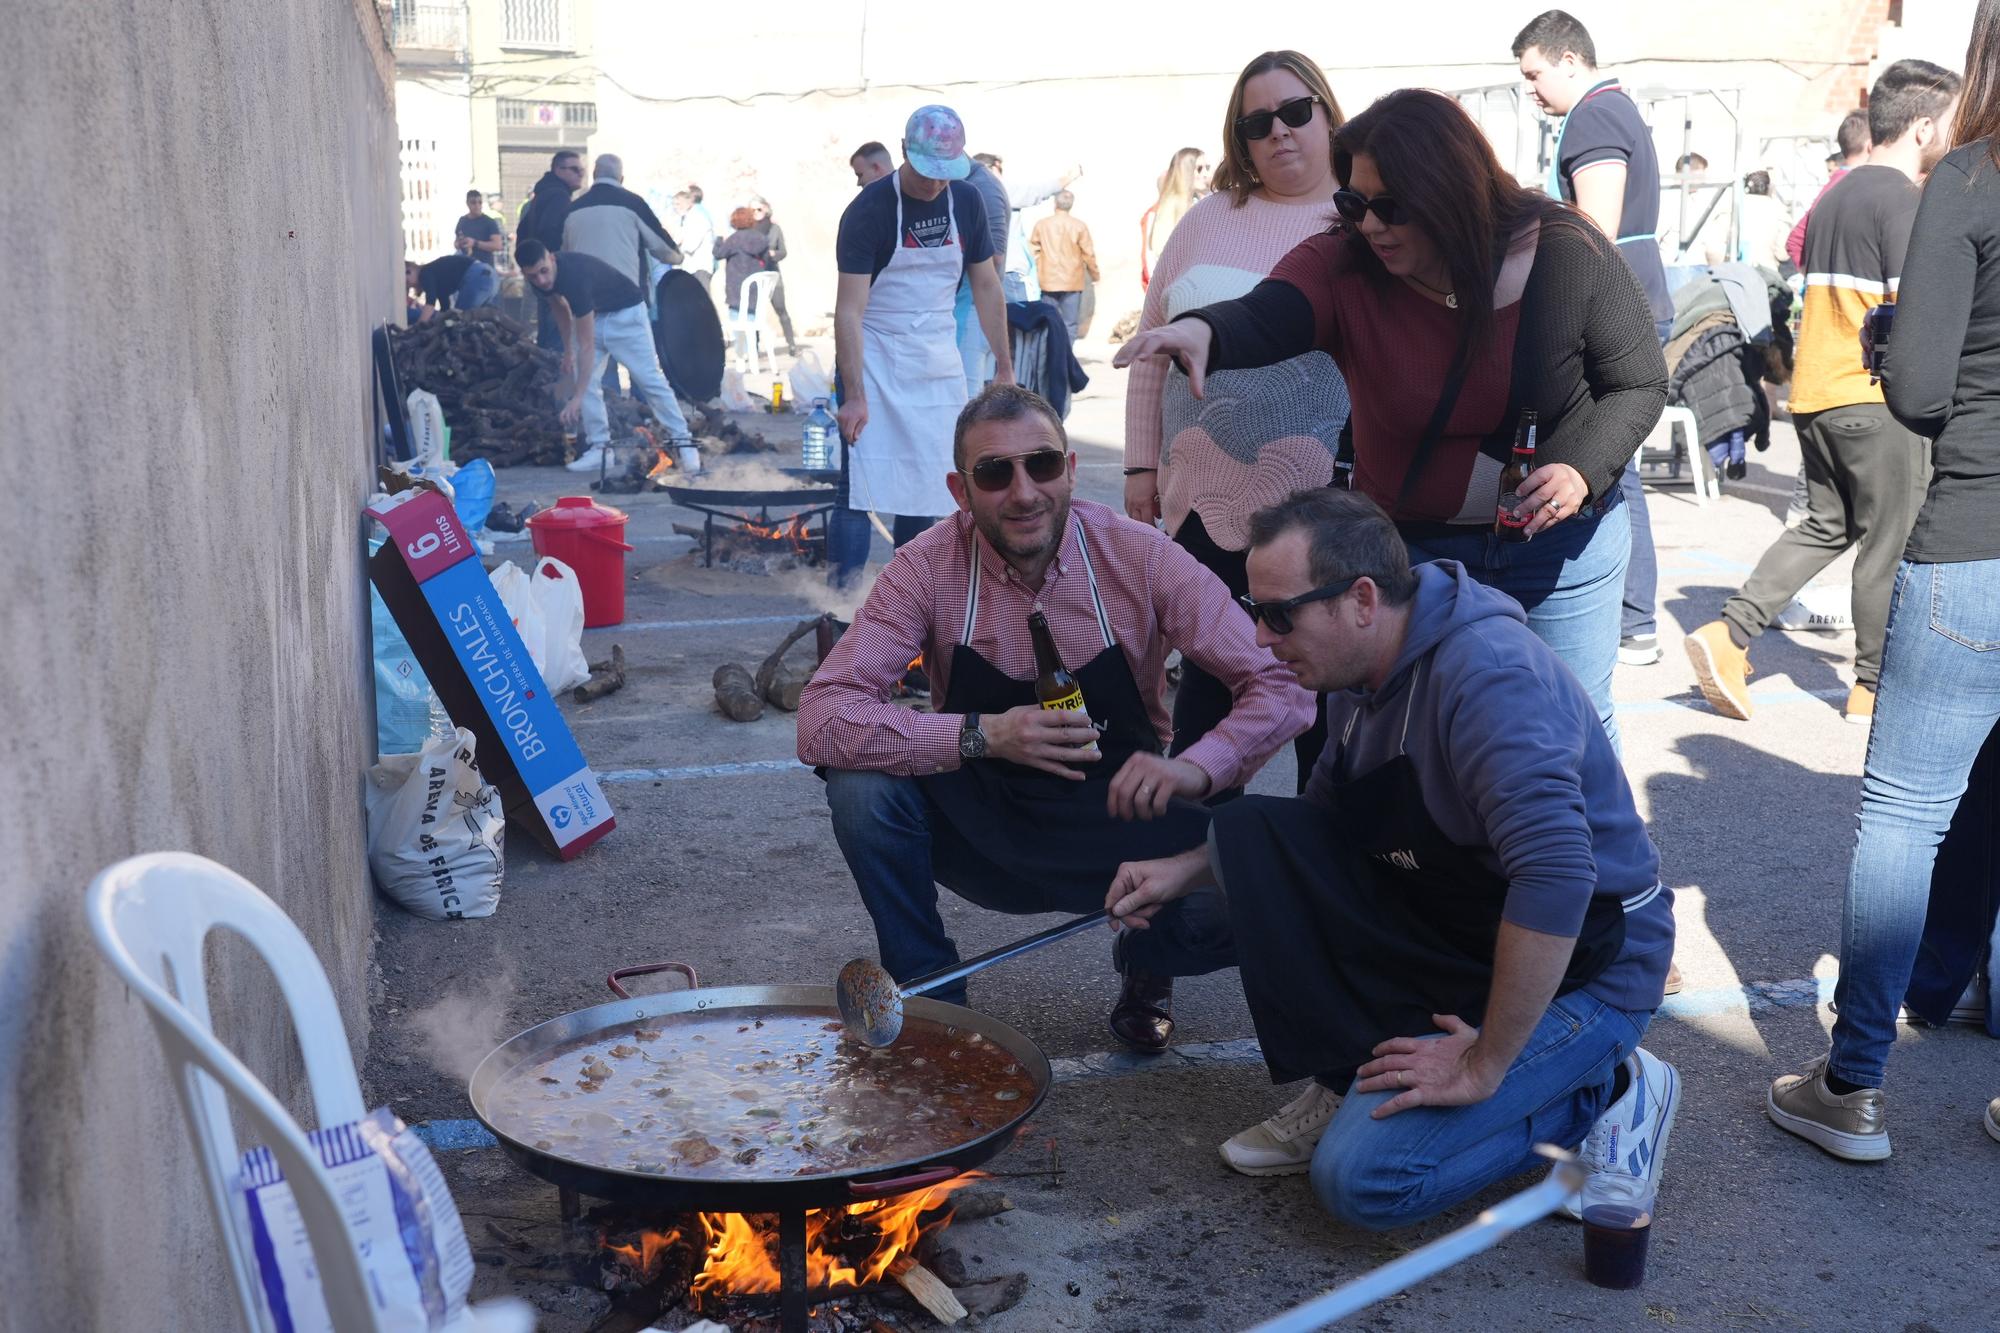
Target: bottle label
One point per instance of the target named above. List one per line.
(1511, 513)
(1071, 703)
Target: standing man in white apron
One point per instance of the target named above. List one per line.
(904, 242)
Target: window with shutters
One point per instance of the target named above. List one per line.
(542, 24)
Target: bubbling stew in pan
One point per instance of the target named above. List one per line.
(759, 1092)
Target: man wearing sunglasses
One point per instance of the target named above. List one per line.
(1458, 931)
(1012, 806)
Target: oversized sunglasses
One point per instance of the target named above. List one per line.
(1278, 615)
(1257, 125)
(1352, 206)
(997, 474)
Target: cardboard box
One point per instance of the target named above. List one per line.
(430, 578)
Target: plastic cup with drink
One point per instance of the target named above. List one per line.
(1617, 1225)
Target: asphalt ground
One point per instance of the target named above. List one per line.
(723, 858)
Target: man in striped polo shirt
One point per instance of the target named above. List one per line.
(1865, 475)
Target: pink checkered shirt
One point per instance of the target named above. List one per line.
(1155, 597)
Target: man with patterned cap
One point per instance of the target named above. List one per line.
(903, 245)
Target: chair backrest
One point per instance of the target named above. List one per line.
(756, 291)
(151, 916)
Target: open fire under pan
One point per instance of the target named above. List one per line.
(796, 508)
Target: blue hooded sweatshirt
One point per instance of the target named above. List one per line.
(1515, 766)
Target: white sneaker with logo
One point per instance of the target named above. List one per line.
(1283, 1145)
(1631, 1136)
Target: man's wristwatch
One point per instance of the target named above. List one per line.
(971, 740)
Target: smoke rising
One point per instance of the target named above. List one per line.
(465, 1024)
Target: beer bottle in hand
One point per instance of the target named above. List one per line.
(1510, 523)
(1055, 687)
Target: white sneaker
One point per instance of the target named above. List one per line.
(590, 460)
(1993, 1118)
(1283, 1145)
(1631, 1136)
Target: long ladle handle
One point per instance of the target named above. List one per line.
(924, 985)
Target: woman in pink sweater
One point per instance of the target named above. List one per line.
(1257, 435)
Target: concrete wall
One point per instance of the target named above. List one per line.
(200, 217)
(775, 109)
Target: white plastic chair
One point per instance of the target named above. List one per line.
(751, 321)
(151, 916)
(1663, 448)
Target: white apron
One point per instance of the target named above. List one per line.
(911, 373)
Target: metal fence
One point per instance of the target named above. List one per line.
(428, 27)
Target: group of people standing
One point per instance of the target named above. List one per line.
(1457, 932)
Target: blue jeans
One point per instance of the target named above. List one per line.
(477, 288)
(973, 353)
(849, 535)
(1389, 1173)
(1071, 306)
(1569, 580)
(1936, 703)
(1639, 613)
(900, 847)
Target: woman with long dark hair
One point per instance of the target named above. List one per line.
(1260, 434)
(1454, 302)
(1938, 697)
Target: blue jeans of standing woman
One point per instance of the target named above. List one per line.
(1570, 579)
(1937, 702)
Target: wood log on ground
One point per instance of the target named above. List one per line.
(929, 1292)
(978, 1204)
(604, 677)
(985, 1299)
(784, 689)
(736, 693)
(774, 661)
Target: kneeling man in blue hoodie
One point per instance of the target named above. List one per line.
(1457, 933)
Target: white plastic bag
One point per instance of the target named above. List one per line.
(399, 1211)
(808, 380)
(560, 599)
(428, 440)
(547, 609)
(435, 831)
(1821, 607)
(735, 398)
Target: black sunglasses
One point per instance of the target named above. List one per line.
(997, 474)
(1257, 125)
(1278, 615)
(1352, 207)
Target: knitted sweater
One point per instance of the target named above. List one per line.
(1260, 434)
(1573, 338)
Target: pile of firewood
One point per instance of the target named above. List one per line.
(497, 388)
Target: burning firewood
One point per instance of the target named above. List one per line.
(929, 1292)
(604, 678)
(736, 694)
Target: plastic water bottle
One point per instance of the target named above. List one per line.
(816, 452)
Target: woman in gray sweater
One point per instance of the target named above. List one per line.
(1940, 688)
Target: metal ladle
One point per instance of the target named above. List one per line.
(871, 1003)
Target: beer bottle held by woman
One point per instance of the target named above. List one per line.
(1055, 686)
(1510, 522)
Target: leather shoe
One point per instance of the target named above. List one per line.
(1143, 1018)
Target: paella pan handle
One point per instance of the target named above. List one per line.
(616, 979)
(882, 1189)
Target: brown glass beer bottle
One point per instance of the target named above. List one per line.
(1055, 686)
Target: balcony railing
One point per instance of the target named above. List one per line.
(428, 27)
(540, 24)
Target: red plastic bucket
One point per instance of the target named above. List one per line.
(590, 539)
